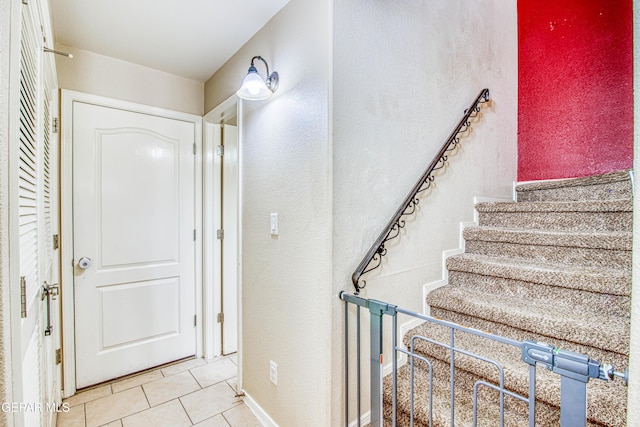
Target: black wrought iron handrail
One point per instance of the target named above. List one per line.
(373, 258)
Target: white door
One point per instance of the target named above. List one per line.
(37, 224)
(134, 241)
(230, 242)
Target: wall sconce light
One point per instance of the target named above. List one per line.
(254, 88)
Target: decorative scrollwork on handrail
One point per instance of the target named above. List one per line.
(373, 258)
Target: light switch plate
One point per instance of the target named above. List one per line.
(274, 224)
(273, 372)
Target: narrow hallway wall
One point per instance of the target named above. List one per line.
(286, 169)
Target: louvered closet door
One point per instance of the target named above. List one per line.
(37, 218)
(49, 252)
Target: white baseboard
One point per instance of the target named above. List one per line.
(257, 410)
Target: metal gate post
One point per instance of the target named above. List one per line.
(377, 309)
(573, 402)
(575, 370)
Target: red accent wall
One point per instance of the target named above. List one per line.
(575, 88)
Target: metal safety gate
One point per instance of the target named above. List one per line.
(575, 369)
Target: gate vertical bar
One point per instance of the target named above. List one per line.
(358, 364)
(452, 368)
(346, 364)
(394, 362)
(376, 365)
(573, 402)
(532, 396)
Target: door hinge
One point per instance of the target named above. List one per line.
(23, 297)
(194, 234)
(220, 234)
(58, 356)
(194, 148)
(54, 125)
(195, 318)
(220, 150)
(220, 317)
(56, 241)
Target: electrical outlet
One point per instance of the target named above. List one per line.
(273, 372)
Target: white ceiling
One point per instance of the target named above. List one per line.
(189, 38)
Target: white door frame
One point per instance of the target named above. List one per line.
(212, 219)
(66, 232)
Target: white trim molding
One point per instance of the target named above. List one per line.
(257, 410)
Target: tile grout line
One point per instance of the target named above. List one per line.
(133, 413)
(163, 376)
(196, 380)
(185, 411)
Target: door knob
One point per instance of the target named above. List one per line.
(84, 263)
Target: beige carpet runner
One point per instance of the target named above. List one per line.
(555, 267)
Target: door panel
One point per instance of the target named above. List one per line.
(142, 222)
(133, 208)
(126, 310)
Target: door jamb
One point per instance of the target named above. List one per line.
(212, 193)
(68, 97)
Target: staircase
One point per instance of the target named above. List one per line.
(555, 267)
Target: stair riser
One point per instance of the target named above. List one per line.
(570, 221)
(604, 191)
(598, 334)
(588, 257)
(605, 356)
(599, 281)
(598, 303)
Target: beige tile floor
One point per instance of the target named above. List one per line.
(194, 392)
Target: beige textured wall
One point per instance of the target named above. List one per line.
(286, 168)
(633, 409)
(101, 75)
(404, 71)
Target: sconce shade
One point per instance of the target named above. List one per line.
(254, 88)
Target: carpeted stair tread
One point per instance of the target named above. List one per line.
(614, 281)
(598, 249)
(600, 240)
(601, 394)
(616, 205)
(561, 322)
(615, 185)
(605, 304)
(514, 332)
(605, 215)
